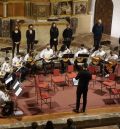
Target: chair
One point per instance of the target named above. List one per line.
(115, 92)
(109, 83)
(70, 74)
(40, 83)
(92, 70)
(57, 78)
(41, 91)
(45, 97)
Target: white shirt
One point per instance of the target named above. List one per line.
(3, 97)
(17, 61)
(46, 54)
(112, 57)
(26, 57)
(5, 67)
(98, 53)
(67, 51)
(81, 51)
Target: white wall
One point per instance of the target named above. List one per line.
(115, 29)
(116, 19)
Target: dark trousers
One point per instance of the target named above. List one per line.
(30, 46)
(78, 97)
(109, 70)
(97, 42)
(32, 68)
(64, 65)
(14, 46)
(77, 66)
(67, 43)
(48, 66)
(53, 44)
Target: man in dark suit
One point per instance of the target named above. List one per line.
(97, 33)
(84, 77)
(67, 35)
(16, 38)
(30, 35)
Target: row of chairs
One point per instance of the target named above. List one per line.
(108, 83)
(42, 87)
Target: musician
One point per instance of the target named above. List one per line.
(64, 61)
(16, 38)
(67, 35)
(111, 62)
(54, 33)
(30, 35)
(97, 58)
(17, 61)
(46, 56)
(30, 62)
(81, 60)
(5, 69)
(4, 97)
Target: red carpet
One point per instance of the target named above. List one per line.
(62, 100)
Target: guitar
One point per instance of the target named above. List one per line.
(96, 60)
(109, 65)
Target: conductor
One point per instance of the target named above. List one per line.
(84, 77)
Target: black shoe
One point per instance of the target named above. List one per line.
(75, 110)
(82, 111)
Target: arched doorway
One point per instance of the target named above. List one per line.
(104, 11)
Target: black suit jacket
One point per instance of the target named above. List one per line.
(84, 77)
(16, 37)
(30, 36)
(67, 33)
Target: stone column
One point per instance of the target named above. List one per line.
(4, 9)
(74, 3)
(52, 9)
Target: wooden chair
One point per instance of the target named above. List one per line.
(57, 78)
(70, 74)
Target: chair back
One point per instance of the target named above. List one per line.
(70, 68)
(112, 77)
(92, 69)
(56, 72)
(40, 78)
(36, 80)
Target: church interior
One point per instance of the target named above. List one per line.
(33, 91)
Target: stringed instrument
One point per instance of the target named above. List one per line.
(31, 61)
(109, 65)
(2, 74)
(96, 60)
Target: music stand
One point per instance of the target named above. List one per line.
(83, 55)
(36, 42)
(8, 79)
(68, 56)
(6, 50)
(75, 82)
(17, 90)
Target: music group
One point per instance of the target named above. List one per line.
(25, 65)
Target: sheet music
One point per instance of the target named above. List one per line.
(75, 82)
(8, 80)
(16, 84)
(18, 91)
